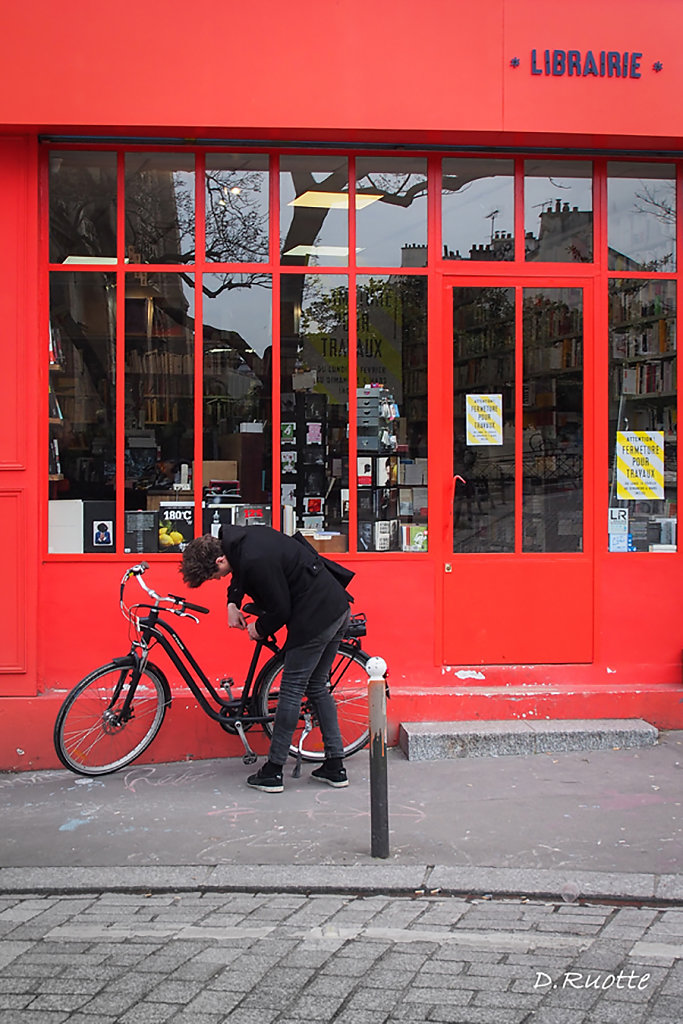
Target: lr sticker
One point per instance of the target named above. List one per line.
(618, 529)
(640, 464)
(484, 415)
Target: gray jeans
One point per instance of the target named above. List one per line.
(307, 672)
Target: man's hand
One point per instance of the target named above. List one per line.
(253, 632)
(236, 619)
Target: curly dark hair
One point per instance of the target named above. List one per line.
(199, 560)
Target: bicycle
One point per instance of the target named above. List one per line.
(112, 715)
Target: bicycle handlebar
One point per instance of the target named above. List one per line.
(137, 571)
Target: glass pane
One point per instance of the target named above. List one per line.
(159, 208)
(314, 449)
(643, 509)
(391, 400)
(237, 445)
(558, 211)
(641, 216)
(236, 208)
(82, 207)
(478, 209)
(484, 419)
(552, 502)
(82, 412)
(391, 212)
(314, 211)
(159, 425)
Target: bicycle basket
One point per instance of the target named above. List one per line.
(358, 625)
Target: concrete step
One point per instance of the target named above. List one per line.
(431, 741)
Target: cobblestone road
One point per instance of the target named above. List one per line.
(243, 958)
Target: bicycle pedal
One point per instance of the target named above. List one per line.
(249, 758)
(227, 685)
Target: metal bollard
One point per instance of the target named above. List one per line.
(379, 799)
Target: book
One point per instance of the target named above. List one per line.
(414, 537)
(364, 472)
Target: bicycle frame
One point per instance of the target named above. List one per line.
(152, 626)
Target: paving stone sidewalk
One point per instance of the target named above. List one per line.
(254, 958)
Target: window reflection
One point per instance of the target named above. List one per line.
(478, 209)
(643, 509)
(558, 211)
(391, 212)
(159, 420)
(82, 207)
(237, 443)
(236, 208)
(82, 412)
(314, 447)
(641, 216)
(314, 211)
(484, 419)
(391, 399)
(552, 504)
(159, 204)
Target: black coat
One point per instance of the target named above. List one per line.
(288, 580)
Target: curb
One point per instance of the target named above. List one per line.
(359, 880)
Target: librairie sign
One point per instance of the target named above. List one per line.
(587, 63)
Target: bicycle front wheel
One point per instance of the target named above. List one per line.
(349, 686)
(93, 735)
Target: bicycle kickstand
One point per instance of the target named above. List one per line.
(308, 725)
(248, 757)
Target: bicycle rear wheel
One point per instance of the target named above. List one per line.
(349, 685)
(91, 736)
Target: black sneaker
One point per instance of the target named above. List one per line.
(331, 772)
(267, 779)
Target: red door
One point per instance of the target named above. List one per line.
(517, 566)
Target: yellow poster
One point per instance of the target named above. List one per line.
(640, 464)
(484, 416)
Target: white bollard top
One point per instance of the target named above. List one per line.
(376, 668)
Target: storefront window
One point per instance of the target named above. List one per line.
(484, 419)
(236, 200)
(82, 412)
(552, 501)
(478, 207)
(558, 211)
(518, 443)
(643, 508)
(314, 445)
(237, 443)
(159, 421)
(314, 211)
(160, 208)
(391, 212)
(641, 216)
(391, 399)
(82, 207)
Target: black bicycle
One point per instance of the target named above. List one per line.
(114, 713)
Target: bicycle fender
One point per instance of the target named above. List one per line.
(127, 661)
(276, 659)
(162, 677)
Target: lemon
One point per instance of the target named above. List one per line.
(176, 537)
(165, 539)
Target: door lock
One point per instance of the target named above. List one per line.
(448, 567)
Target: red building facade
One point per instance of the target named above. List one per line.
(411, 285)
